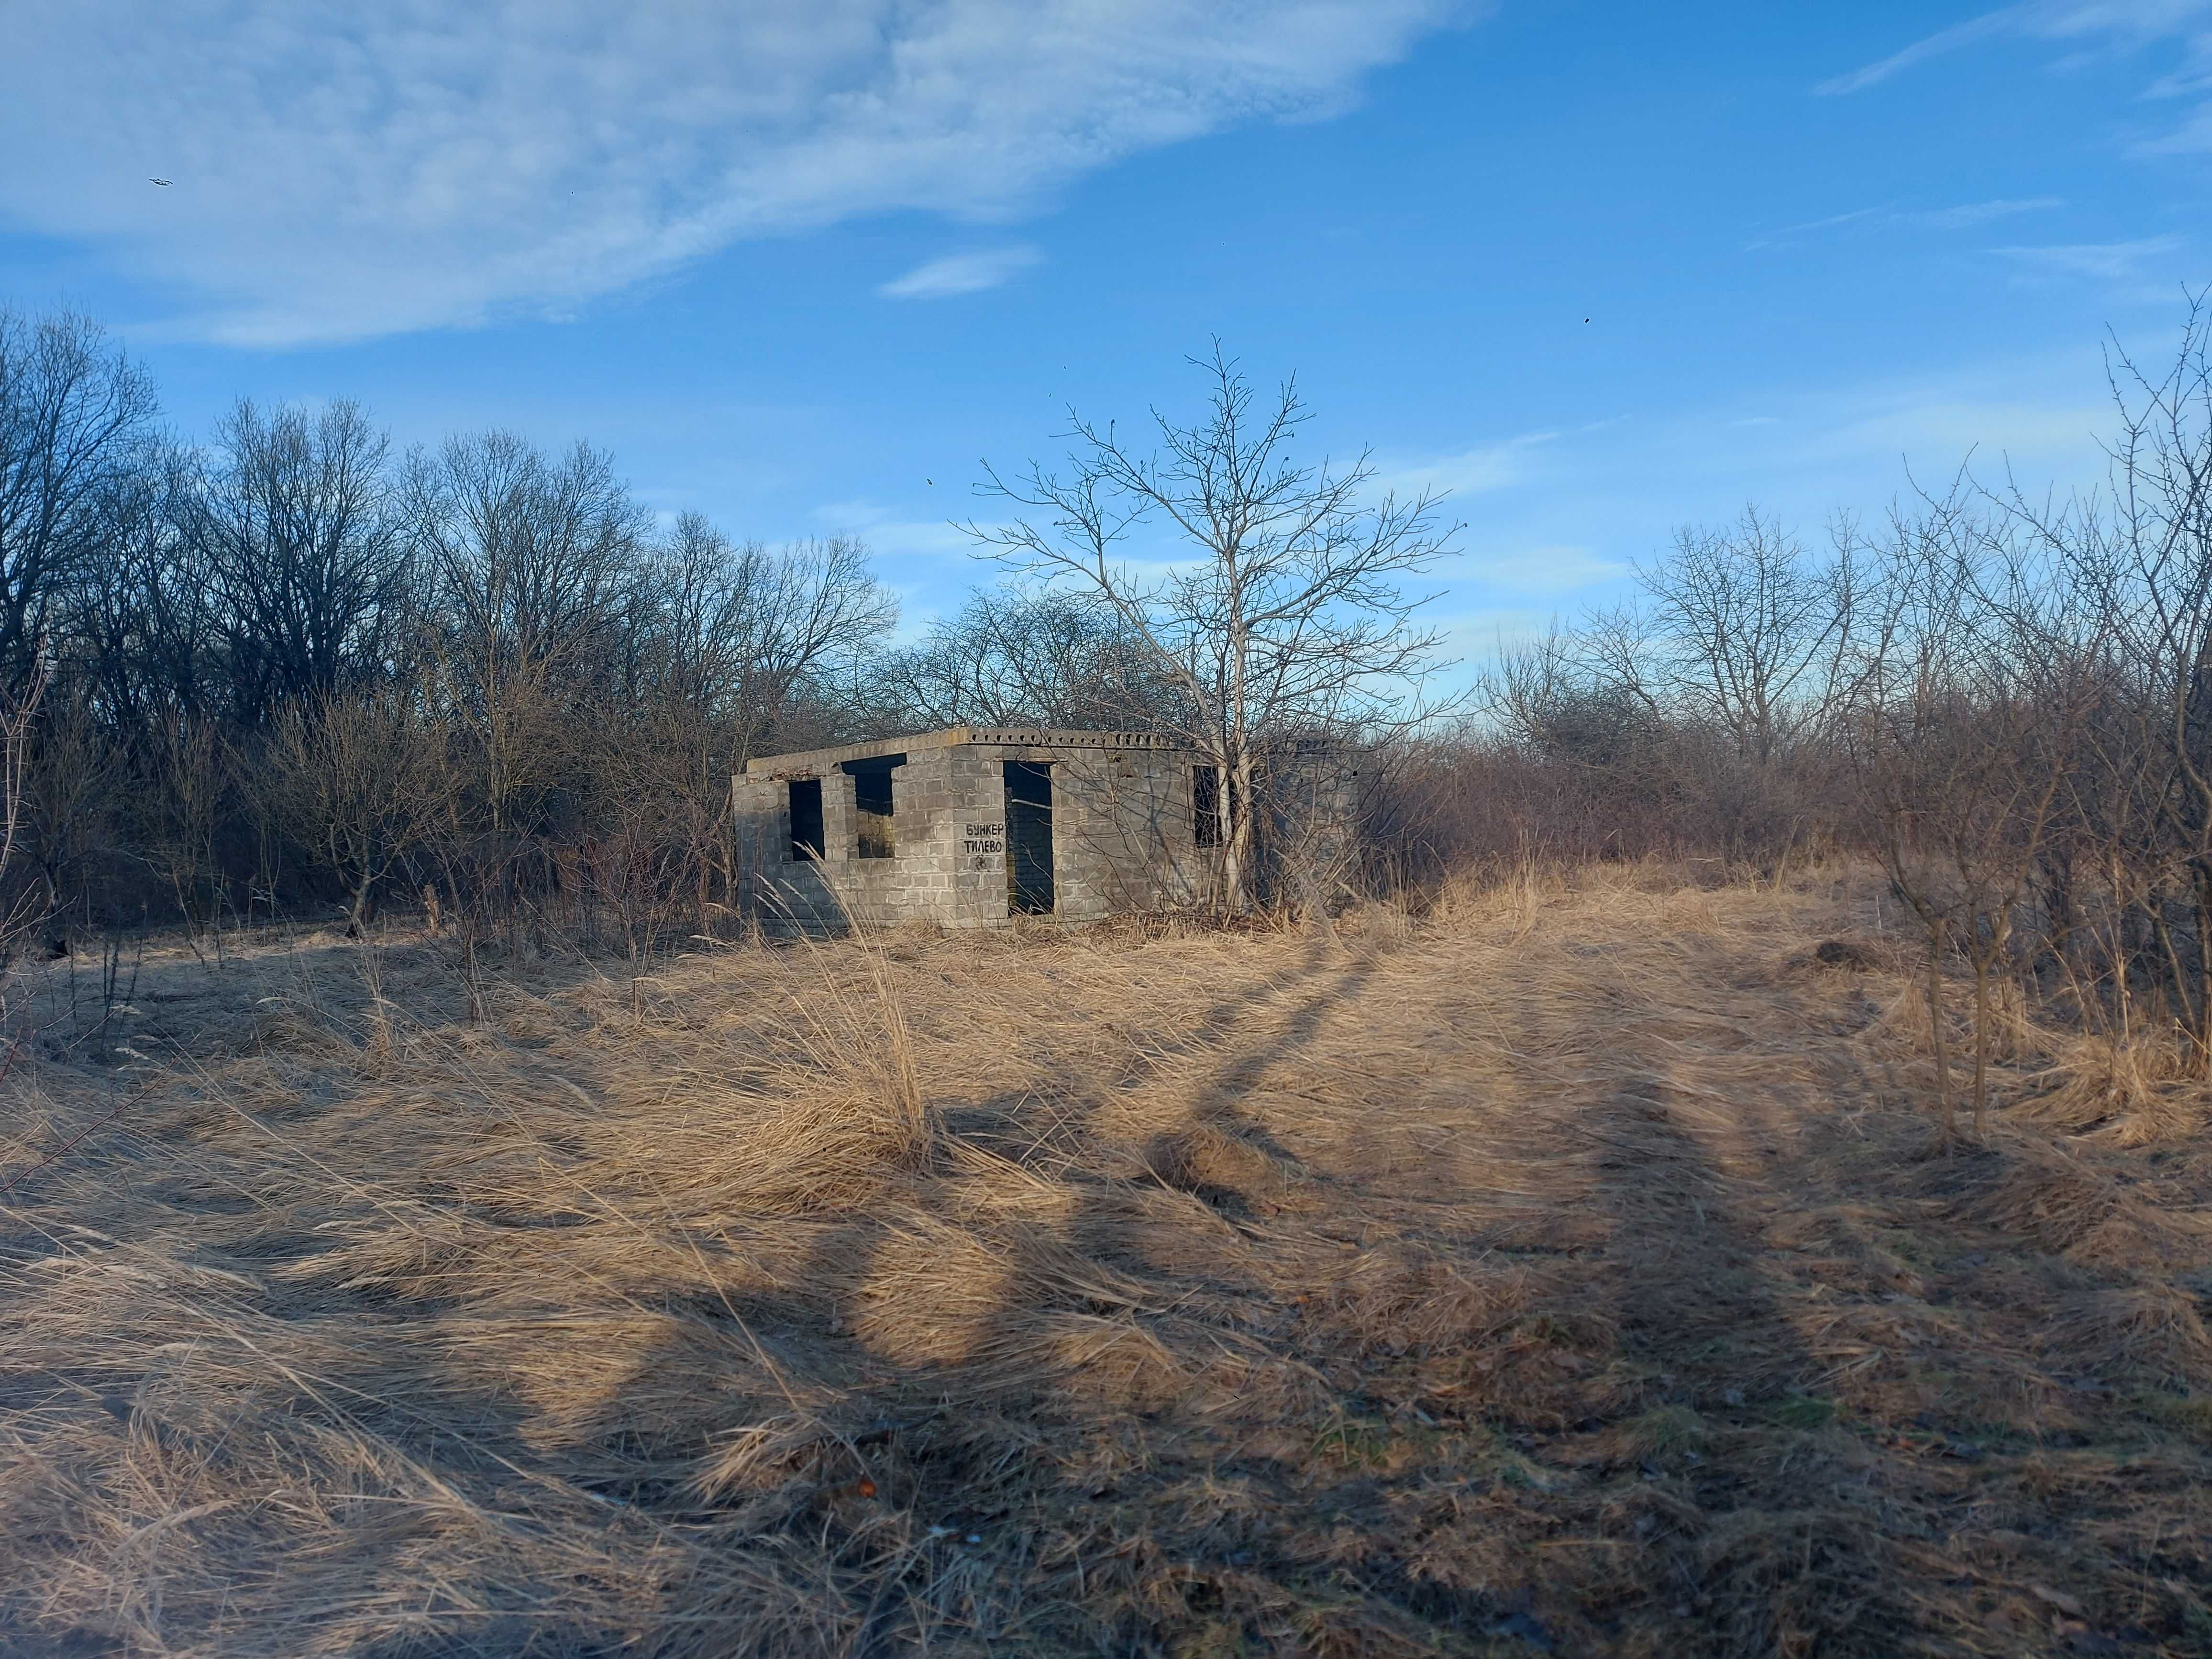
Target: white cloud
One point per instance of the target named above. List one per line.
(1935, 45)
(1475, 471)
(2128, 21)
(1560, 568)
(1964, 215)
(1613, 492)
(1853, 444)
(1789, 234)
(2181, 30)
(897, 534)
(1477, 636)
(2189, 78)
(1969, 214)
(344, 170)
(961, 273)
(2103, 261)
(2192, 138)
(1933, 431)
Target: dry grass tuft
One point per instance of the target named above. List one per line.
(2137, 1092)
(2057, 1199)
(2153, 1332)
(1560, 1271)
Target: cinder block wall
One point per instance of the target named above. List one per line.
(975, 829)
(1123, 833)
(935, 873)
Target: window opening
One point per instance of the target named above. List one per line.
(1029, 839)
(1206, 805)
(805, 819)
(875, 823)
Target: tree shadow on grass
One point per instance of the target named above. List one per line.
(1027, 1486)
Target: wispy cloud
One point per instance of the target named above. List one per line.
(2103, 261)
(1973, 30)
(1964, 215)
(1561, 567)
(1607, 496)
(2091, 24)
(341, 173)
(1478, 637)
(1936, 429)
(961, 273)
(895, 531)
(1473, 472)
(2192, 138)
(1968, 215)
(1789, 233)
(2178, 33)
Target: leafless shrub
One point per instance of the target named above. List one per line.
(361, 779)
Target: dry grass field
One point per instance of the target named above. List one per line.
(1570, 1271)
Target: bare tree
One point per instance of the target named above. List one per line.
(75, 418)
(1745, 622)
(1050, 659)
(19, 911)
(360, 780)
(191, 780)
(726, 639)
(2139, 555)
(530, 558)
(735, 629)
(70, 776)
(1916, 752)
(1990, 821)
(1272, 599)
(295, 518)
(144, 625)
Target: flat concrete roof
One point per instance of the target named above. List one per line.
(952, 737)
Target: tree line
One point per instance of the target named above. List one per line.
(290, 666)
(291, 669)
(1999, 695)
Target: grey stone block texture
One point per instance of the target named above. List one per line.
(1123, 831)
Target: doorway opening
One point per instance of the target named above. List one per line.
(805, 819)
(874, 820)
(1029, 839)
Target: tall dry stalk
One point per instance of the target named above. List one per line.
(868, 1038)
(19, 912)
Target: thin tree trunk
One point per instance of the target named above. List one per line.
(357, 913)
(1936, 1025)
(2182, 1009)
(1981, 1041)
(1240, 791)
(2203, 1057)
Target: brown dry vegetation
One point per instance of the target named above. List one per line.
(1566, 1271)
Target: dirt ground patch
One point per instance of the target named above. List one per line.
(1571, 1273)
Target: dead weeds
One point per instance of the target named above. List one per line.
(1562, 1271)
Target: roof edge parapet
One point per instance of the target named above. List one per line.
(1021, 737)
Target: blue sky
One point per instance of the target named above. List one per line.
(803, 263)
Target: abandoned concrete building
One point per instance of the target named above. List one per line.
(971, 827)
